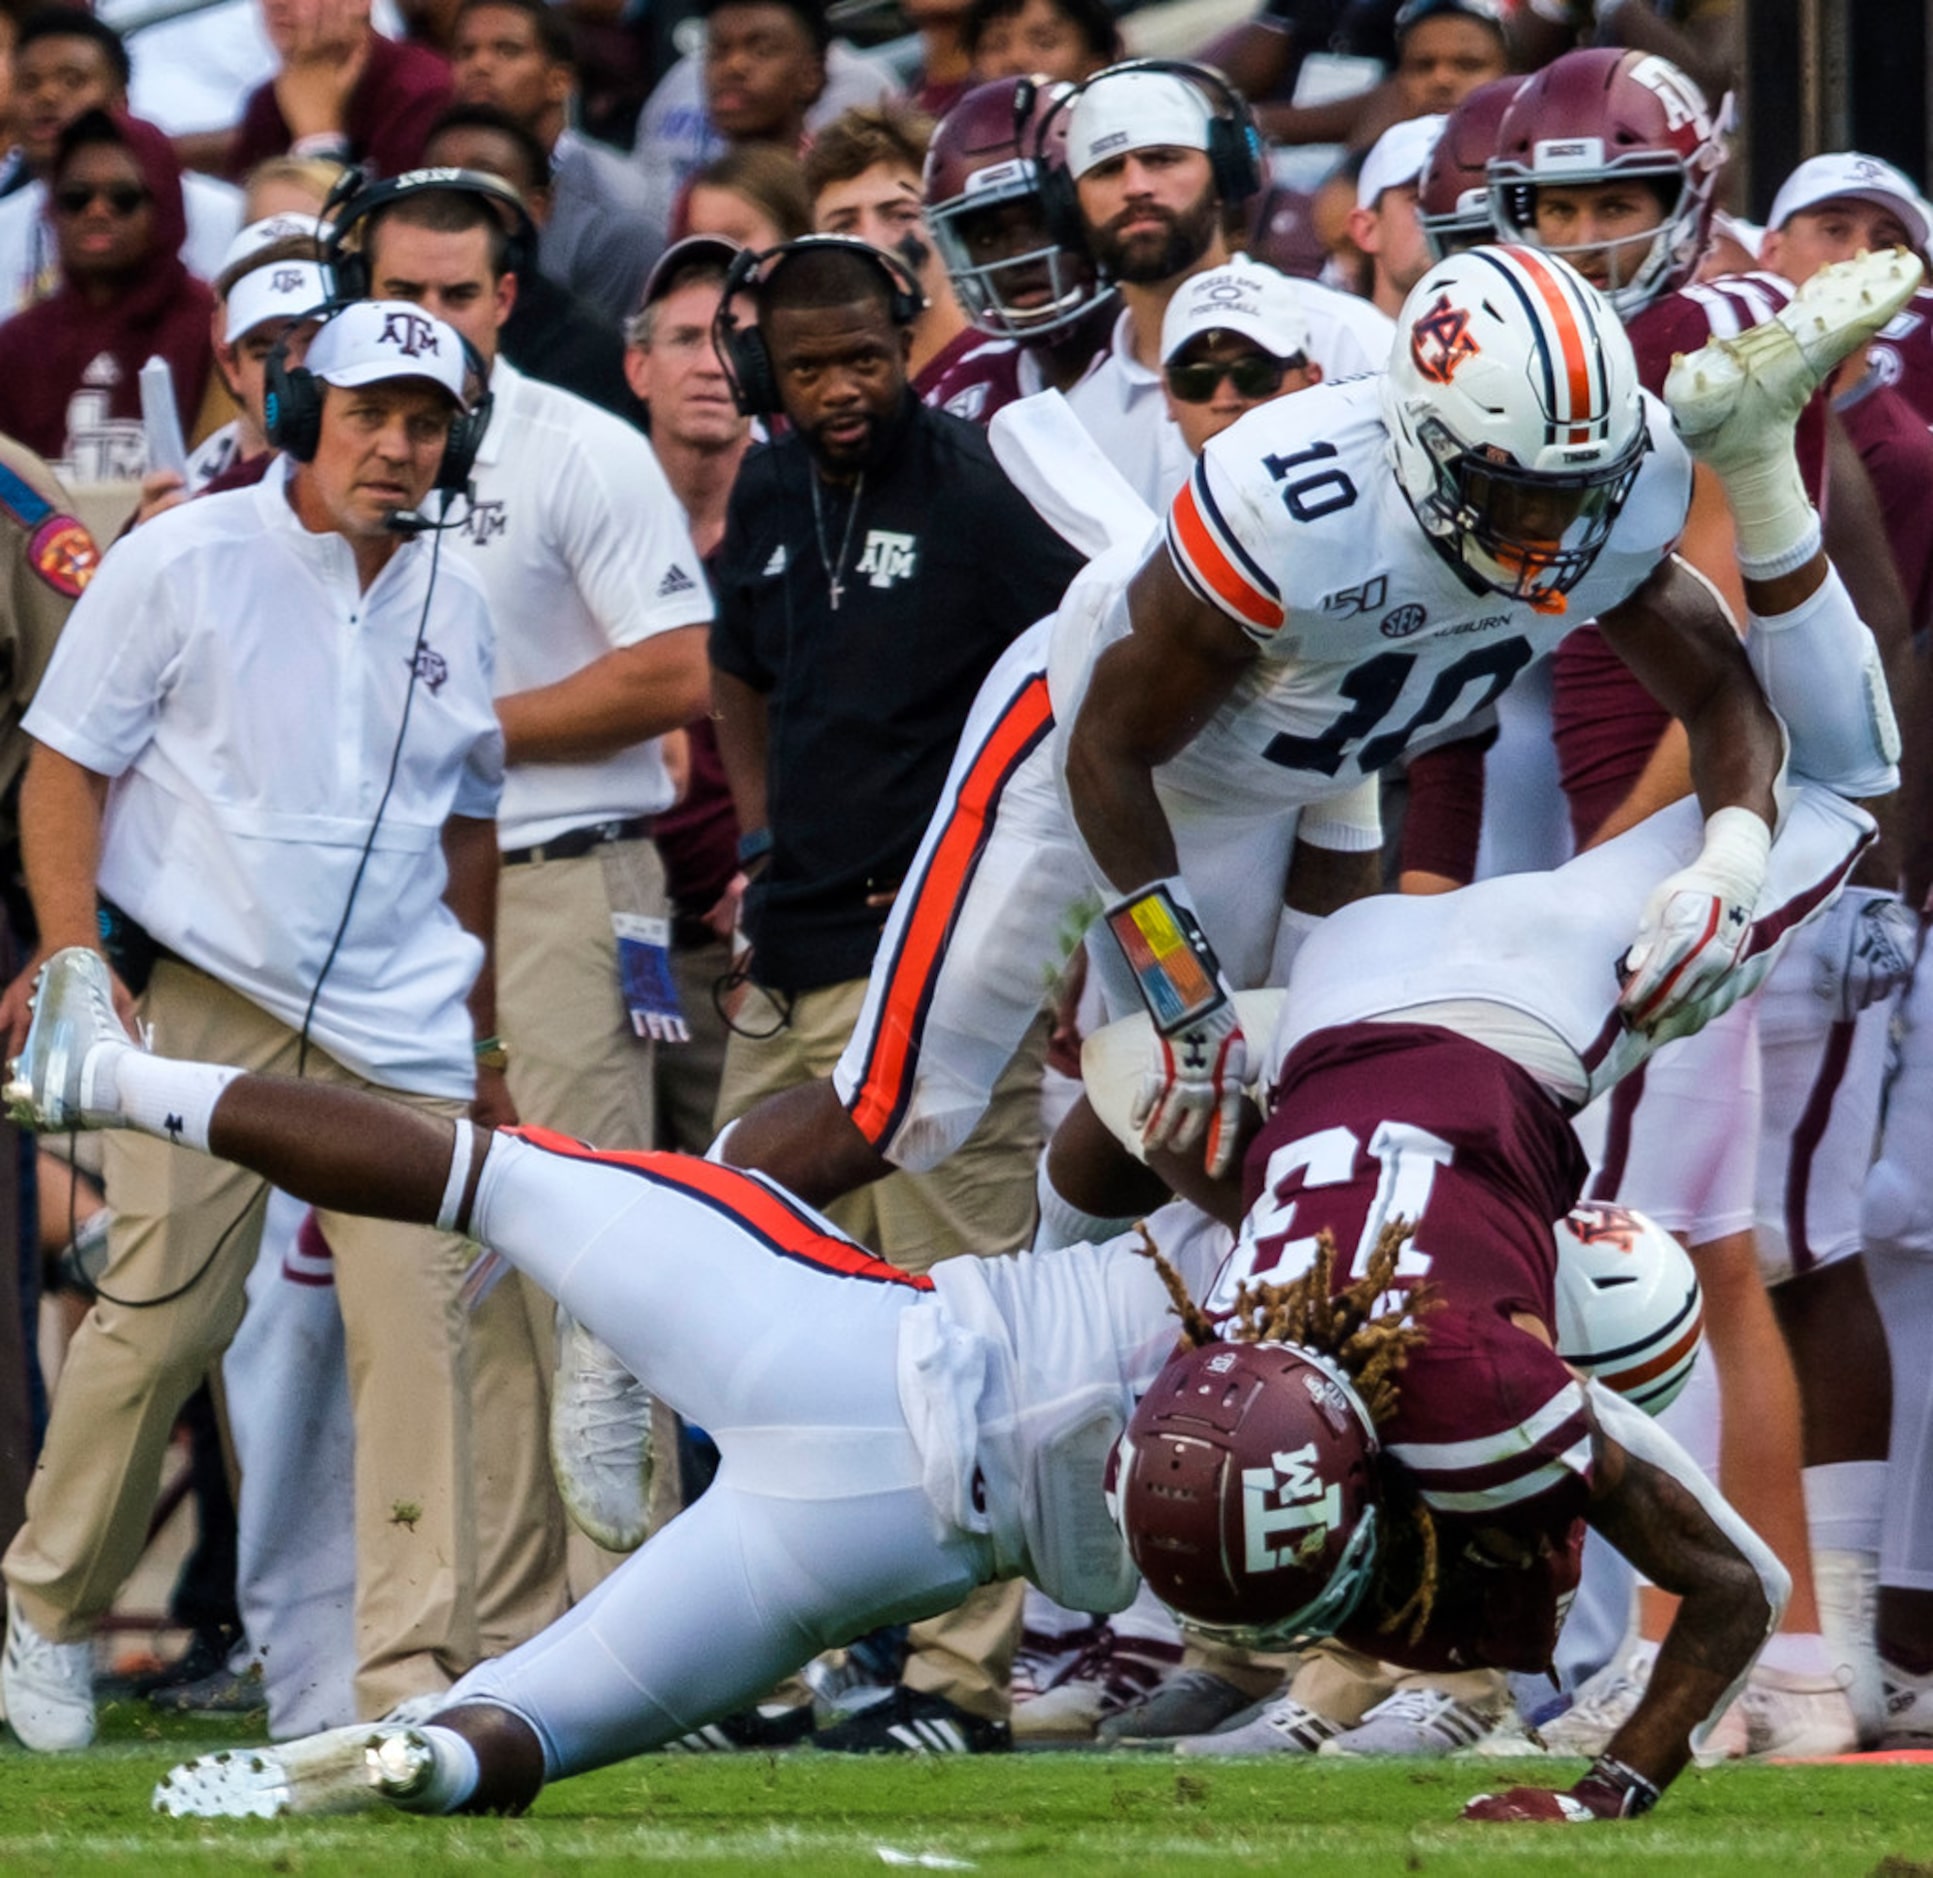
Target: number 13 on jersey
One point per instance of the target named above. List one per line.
(1304, 1192)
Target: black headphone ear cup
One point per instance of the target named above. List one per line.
(291, 407)
(1060, 207)
(758, 384)
(349, 269)
(1232, 157)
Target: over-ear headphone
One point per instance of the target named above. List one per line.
(742, 350)
(1235, 148)
(351, 265)
(292, 408)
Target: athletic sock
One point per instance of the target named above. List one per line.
(454, 1773)
(1797, 1653)
(169, 1099)
(1062, 1223)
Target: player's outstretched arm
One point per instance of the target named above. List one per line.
(1649, 1499)
(1151, 693)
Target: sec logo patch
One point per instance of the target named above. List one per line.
(1400, 621)
(64, 555)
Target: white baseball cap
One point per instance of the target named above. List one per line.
(378, 339)
(1243, 297)
(1122, 111)
(251, 240)
(1843, 173)
(1398, 156)
(281, 290)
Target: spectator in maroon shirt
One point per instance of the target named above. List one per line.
(344, 91)
(70, 366)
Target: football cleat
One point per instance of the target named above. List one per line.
(760, 1730)
(1603, 1705)
(1909, 1709)
(910, 1721)
(1734, 399)
(1416, 1724)
(46, 1688)
(1796, 1717)
(1044, 1658)
(1188, 1702)
(1280, 1725)
(1113, 1674)
(600, 1440)
(62, 1079)
(347, 1770)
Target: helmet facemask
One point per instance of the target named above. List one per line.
(1022, 295)
(1530, 535)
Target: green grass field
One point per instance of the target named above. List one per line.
(1017, 1813)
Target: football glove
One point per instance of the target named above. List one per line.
(1610, 1790)
(1198, 1062)
(1863, 951)
(1694, 927)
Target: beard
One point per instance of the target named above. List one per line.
(1145, 258)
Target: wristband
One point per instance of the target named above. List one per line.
(492, 1053)
(1614, 1791)
(1172, 962)
(754, 846)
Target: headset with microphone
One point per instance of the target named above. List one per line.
(742, 350)
(1235, 151)
(364, 199)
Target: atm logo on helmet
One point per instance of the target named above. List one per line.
(1440, 341)
(1288, 1498)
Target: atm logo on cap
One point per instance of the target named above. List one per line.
(410, 333)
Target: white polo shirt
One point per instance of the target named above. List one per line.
(1121, 404)
(582, 549)
(224, 669)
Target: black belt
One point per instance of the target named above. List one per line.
(576, 842)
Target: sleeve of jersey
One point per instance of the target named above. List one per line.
(1489, 1419)
(1206, 526)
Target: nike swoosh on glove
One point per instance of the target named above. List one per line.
(1695, 926)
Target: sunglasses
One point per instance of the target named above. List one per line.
(1254, 375)
(121, 198)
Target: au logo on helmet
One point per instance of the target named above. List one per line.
(1440, 341)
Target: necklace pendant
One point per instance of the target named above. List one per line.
(836, 590)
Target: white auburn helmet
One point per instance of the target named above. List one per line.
(1516, 418)
(1629, 1311)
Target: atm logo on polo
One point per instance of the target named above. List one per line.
(888, 557)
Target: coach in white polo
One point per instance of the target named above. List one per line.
(266, 748)
(601, 608)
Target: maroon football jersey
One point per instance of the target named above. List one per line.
(1378, 1122)
(1605, 724)
(1904, 352)
(1897, 449)
(974, 377)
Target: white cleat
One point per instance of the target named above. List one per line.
(1604, 1704)
(600, 1440)
(1279, 1726)
(62, 1077)
(1416, 1724)
(347, 1770)
(47, 1688)
(1909, 1709)
(1731, 398)
(1794, 1717)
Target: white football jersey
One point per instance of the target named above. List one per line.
(1293, 524)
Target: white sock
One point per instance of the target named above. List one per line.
(453, 1778)
(1797, 1653)
(1040, 1614)
(174, 1101)
(1844, 1504)
(1062, 1223)
(1902, 1282)
(1147, 1620)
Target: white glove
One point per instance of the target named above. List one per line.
(1864, 950)
(1198, 1059)
(1694, 927)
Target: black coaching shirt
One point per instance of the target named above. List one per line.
(943, 564)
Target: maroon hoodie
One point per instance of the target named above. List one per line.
(46, 351)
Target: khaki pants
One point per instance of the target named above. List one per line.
(979, 1201)
(575, 1066)
(187, 1223)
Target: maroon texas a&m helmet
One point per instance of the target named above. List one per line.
(1606, 116)
(983, 205)
(1453, 200)
(1246, 1486)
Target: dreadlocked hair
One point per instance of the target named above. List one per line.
(1369, 1346)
